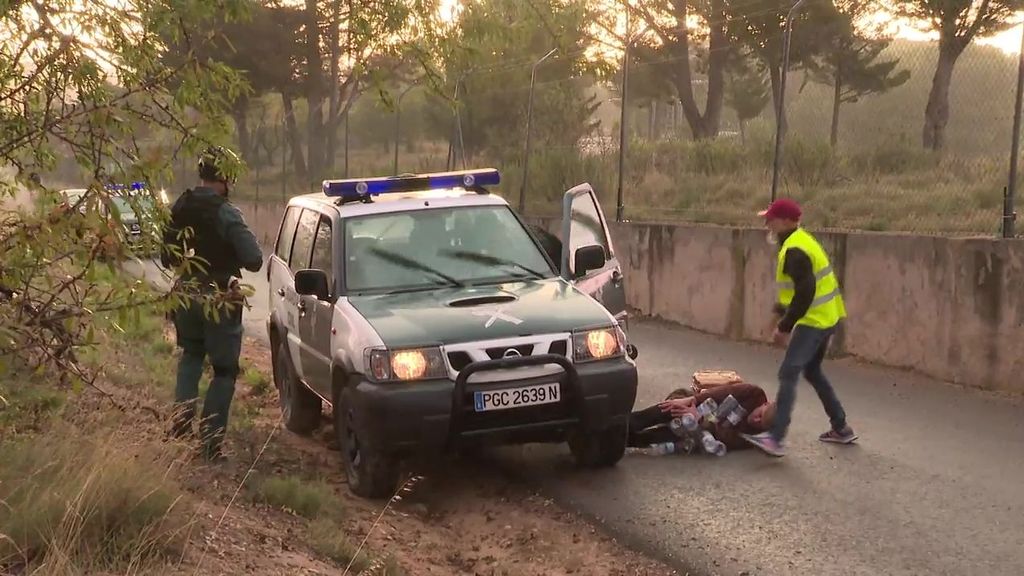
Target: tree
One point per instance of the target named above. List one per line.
(958, 23)
(674, 57)
(494, 49)
(850, 60)
(747, 91)
(78, 80)
(759, 26)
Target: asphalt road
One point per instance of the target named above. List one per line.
(934, 485)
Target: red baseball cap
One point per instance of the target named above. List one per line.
(782, 209)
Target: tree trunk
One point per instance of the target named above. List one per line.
(331, 128)
(837, 101)
(936, 114)
(240, 113)
(743, 132)
(294, 140)
(706, 125)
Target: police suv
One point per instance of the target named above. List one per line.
(430, 318)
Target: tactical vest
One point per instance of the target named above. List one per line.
(194, 226)
(827, 308)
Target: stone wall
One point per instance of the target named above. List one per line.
(949, 308)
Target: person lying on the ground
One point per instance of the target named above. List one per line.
(651, 425)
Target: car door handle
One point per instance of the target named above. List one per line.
(280, 292)
(616, 277)
(302, 308)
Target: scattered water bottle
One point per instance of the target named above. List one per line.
(726, 407)
(737, 416)
(707, 409)
(662, 449)
(684, 424)
(687, 444)
(712, 445)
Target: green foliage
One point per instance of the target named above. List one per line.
(90, 83)
(309, 499)
(498, 43)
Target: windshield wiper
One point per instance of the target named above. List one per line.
(491, 261)
(410, 263)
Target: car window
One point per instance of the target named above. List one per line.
(472, 245)
(322, 251)
(586, 228)
(303, 247)
(287, 233)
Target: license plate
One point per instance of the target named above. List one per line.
(517, 397)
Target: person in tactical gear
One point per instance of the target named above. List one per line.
(205, 223)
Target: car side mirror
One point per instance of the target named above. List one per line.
(588, 258)
(312, 283)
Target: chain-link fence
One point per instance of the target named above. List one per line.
(858, 165)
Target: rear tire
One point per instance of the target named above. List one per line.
(601, 449)
(300, 407)
(371, 473)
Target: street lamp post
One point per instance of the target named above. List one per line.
(619, 208)
(781, 108)
(529, 121)
(1009, 215)
(398, 125)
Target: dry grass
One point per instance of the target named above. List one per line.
(306, 498)
(75, 502)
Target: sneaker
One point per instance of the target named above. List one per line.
(766, 443)
(844, 436)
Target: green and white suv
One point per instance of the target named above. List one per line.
(430, 318)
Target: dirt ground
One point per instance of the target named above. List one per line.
(464, 519)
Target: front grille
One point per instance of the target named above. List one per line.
(559, 347)
(500, 351)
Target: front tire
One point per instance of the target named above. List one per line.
(601, 449)
(371, 473)
(300, 407)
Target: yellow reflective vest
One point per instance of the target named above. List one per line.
(827, 308)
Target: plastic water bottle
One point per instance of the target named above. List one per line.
(726, 408)
(687, 444)
(737, 415)
(707, 409)
(662, 449)
(682, 425)
(712, 445)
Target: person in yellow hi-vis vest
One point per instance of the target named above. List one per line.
(809, 306)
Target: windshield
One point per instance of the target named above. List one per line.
(425, 249)
(126, 206)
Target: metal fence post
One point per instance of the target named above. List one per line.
(529, 121)
(1009, 214)
(781, 108)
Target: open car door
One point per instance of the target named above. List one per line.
(595, 272)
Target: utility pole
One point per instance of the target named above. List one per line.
(623, 133)
(1009, 212)
(781, 108)
(529, 121)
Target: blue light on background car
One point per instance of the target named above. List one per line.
(132, 186)
(361, 188)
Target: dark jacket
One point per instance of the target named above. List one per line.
(219, 235)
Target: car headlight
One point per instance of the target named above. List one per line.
(598, 344)
(406, 365)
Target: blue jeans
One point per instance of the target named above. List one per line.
(806, 352)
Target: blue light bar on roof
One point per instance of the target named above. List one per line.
(363, 188)
(133, 186)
